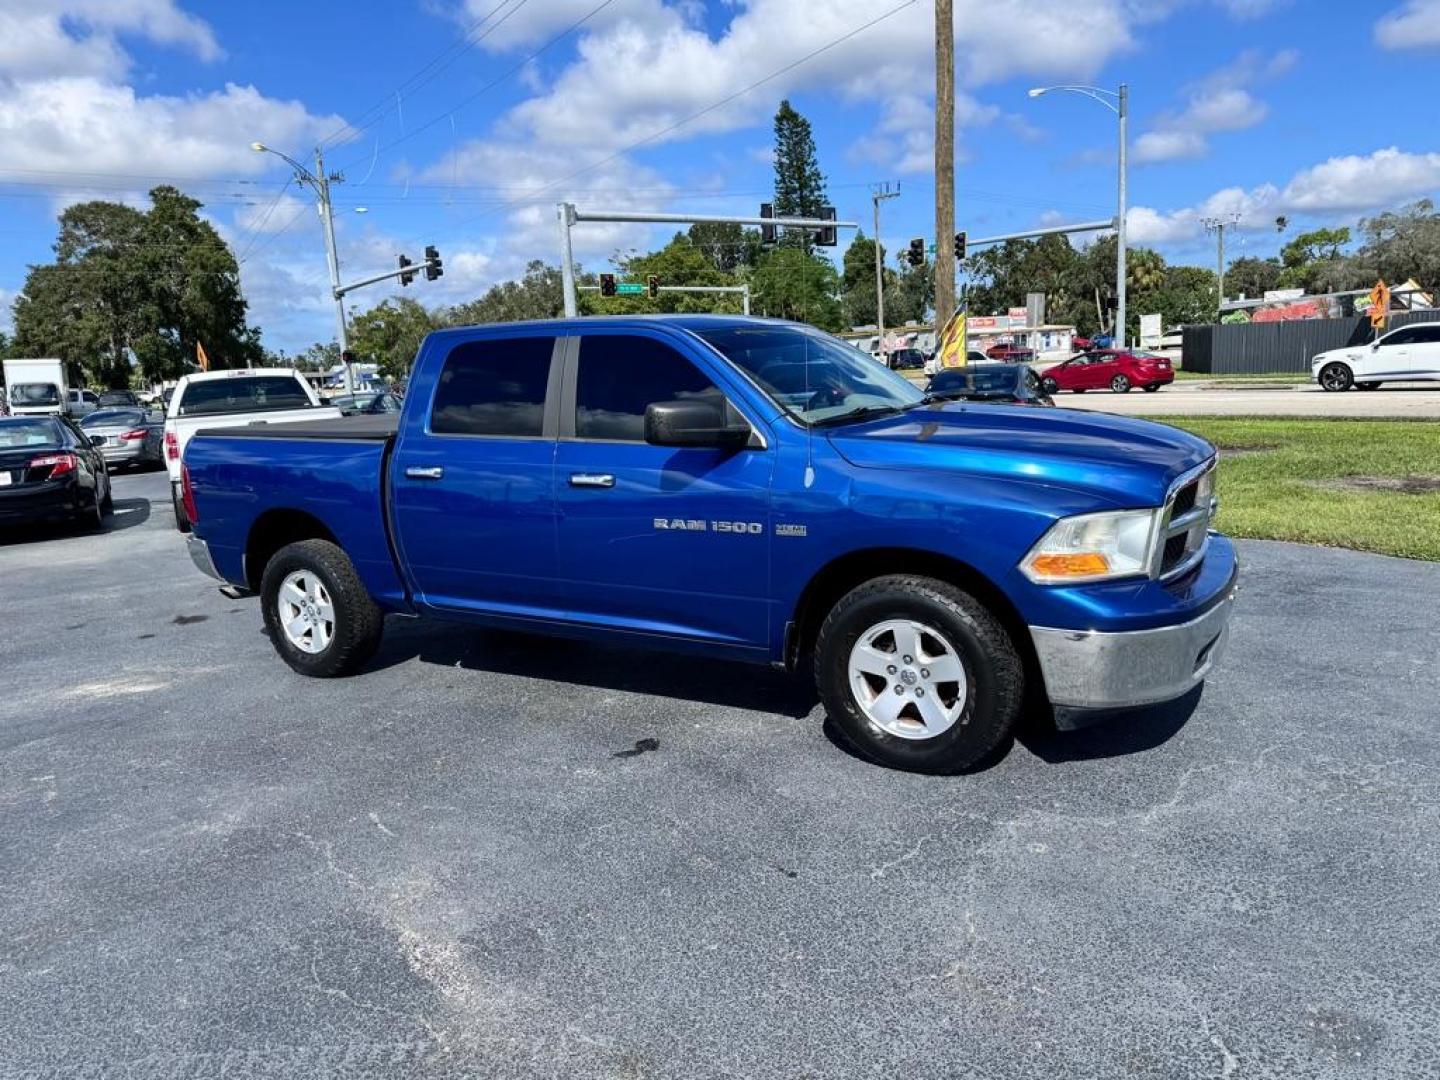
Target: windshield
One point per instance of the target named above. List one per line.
(246, 393)
(18, 434)
(34, 393)
(114, 418)
(814, 377)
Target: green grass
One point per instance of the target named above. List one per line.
(1277, 491)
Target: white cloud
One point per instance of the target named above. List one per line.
(904, 139)
(1342, 185)
(1414, 25)
(78, 37)
(267, 216)
(1219, 102)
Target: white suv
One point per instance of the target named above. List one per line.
(1411, 353)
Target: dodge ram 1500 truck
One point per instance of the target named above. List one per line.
(747, 489)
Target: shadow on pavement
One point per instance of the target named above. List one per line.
(128, 514)
(606, 667)
(1116, 736)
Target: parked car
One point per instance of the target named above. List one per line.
(1107, 369)
(50, 471)
(1082, 344)
(110, 399)
(1015, 383)
(739, 488)
(370, 404)
(1010, 353)
(218, 399)
(907, 359)
(129, 436)
(1408, 354)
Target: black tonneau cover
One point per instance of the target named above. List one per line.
(346, 429)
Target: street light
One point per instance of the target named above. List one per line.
(319, 182)
(1118, 102)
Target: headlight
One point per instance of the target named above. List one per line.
(1093, 547)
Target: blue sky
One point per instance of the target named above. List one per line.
(448, 134)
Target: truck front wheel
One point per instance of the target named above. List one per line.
(918, 675)
(317, 612)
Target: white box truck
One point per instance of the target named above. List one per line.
(36, 388)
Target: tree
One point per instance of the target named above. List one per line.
(793, 284)
(679, 262)
(129, 286)
(1310, 256)
(1187, 296)
(857, 283)
(321, 356)
(726, 245)
(1251, 276)
(390, 333)
(1398, 245)
(799, 183)
(539, 294)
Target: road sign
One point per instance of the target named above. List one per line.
(630, 288)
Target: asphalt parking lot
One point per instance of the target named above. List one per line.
(510, 857)
(1411, 401)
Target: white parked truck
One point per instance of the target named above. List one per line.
(219, 399)
(37, 388)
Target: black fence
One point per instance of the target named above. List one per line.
(1261, 348)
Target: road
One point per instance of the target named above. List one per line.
(1411, 401)
(464, 863)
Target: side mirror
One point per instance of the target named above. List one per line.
(695, 423)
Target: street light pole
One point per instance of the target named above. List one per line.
(1118, 102)
(319, 182)
(877, 197)
(944, 163)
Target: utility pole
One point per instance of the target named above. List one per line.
(944, 162)
(327, 217)
(1122, 279)
(877, 197)
(1218, 225)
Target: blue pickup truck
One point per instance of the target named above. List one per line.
(748, 489)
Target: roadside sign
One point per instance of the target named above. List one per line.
(628, 288)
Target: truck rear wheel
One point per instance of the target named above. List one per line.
(182, 519)
(918, 675)
(317, 612)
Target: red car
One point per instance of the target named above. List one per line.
(1110, 369)
(1009, 353)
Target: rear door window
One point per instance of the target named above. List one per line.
(495, 386)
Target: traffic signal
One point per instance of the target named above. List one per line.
(767, 232)
(827, 237)
(960, 247)
(916, 255)
(607, 284)
(653, 281)
(406, 279)
(434, 268)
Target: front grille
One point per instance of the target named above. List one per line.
(1185, 526)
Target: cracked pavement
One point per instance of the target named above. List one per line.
(512, 857)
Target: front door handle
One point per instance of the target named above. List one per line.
(596, 480)
(424, 472)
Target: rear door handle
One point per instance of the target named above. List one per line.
(595, 480)
(424, 472)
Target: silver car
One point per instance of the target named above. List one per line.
(131, 436)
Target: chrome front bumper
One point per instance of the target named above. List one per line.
(200, 556)
(1092, 672)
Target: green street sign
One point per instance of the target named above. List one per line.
(628, 289)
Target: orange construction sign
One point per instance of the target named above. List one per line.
(1379, 305)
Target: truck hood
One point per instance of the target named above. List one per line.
(1122, 462)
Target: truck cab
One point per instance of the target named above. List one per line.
(748, 489)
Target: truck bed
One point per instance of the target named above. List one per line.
(345, 429)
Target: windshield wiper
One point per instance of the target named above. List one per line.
(856, 414)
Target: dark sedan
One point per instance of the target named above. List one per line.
(366, 404)
(50, 471)
(1014, 383)
(130, 436)
(113, 399)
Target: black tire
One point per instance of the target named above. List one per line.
(1050, 386)
(182, 519)
(358, 622)
(1336, 377)
(993, 670)
(1151, 388)
(107, 504)
(1367, 386)
(1120, 384)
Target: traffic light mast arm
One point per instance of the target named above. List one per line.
(341, 290)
